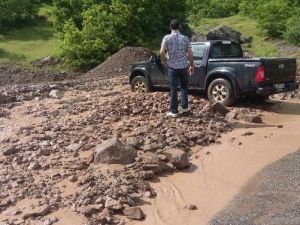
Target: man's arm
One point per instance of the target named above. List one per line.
(163, 55)
(191, 59)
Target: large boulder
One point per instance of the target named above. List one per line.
(113, 151)
(227, 33)
(177, 157)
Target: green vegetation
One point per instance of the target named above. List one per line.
(32, 41)
(246, 26)
(92, 30)
(86, 32)
(16, 13)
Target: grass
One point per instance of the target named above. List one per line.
(31, 42)
(260, 46)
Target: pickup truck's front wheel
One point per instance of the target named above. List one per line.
(220, 90)
(139, 84)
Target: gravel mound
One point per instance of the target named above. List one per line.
(120, 63)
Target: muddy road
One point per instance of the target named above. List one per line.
(220, 175)
(76, 150)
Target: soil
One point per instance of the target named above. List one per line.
(120, 63)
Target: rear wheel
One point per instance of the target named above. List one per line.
(220, 90)
(139, 84)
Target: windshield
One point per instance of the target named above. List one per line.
(226, 49)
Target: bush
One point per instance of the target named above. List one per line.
(292, 33)
(222, 8)
(272, 17)
(91, 30)
(15, 13)
(212, 8)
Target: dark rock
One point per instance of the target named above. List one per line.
(224, 33)
(4, 99)
(34, 166)
(220, 108)
(147, 175)
(245, 39)
(254, 119)
(134, 213)
(177, 157)
(191, 207)
(114, 151)
(10, 151)
(42, 211)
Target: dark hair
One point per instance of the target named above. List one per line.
(175, 24)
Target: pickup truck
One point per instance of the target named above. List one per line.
(222, 72)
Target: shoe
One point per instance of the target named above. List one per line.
(171, 114)
(186, 110)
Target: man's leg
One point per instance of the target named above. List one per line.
(173, 80)
(183, 78)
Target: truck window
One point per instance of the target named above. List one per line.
(226, 49)
(198, 51)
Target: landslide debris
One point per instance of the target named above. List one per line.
(119, 64)
(53, 143)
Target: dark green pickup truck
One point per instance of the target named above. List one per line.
(223, 72)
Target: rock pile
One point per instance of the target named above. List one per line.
(95, 123)
(223, 32)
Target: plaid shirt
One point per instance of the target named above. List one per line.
(177, 47)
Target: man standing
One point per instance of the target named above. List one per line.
(180, 64)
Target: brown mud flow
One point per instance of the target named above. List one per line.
(220, 171)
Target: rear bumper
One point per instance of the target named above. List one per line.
(270, 89)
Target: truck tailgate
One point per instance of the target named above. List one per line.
(279, 70)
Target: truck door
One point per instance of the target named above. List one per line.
(198, 78)
(159, 73)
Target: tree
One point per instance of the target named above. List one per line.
(15, 13)
(91, 30)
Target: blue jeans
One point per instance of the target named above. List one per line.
(174, 75)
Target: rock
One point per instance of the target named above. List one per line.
(220, 108)
(147, 175)
(248, 133)
(10, 151)
(57, 94)
(113, 204)
(88, 211)
(4, 99)
(74, 147)
(34, 166)
(280, 126)
(231, 116)
(196, 36)
(177, 157)
(224, 33)
(50, 221)
(254, 119)
(191, 207)
(245, 39)
(113, 151)
(73, 178)
(134, 213)
(42, 211)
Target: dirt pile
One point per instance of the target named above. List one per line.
(120, 63)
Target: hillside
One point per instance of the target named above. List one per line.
(31, 42)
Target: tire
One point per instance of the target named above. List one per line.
(220, 90)
(139, 84)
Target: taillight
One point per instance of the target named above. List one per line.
(260, 75)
